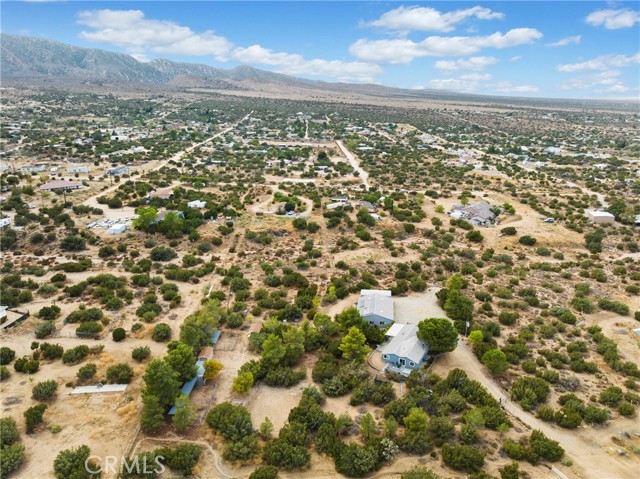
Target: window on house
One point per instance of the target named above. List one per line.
(403, 362)
(412, 363)
(384, 356)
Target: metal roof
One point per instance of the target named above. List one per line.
(406, 344)
(378, 304)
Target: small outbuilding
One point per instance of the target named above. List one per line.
(197, 204)
(601, 217)
(117, 229)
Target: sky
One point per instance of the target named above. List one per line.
(572, 49)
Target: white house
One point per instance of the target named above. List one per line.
(197, 204)
(5, 222)
(376, 306)
(78, 169)
(601, 217)
(117, 229)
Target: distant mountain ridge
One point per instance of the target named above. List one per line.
(31, 58)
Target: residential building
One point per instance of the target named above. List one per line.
(197, 204)
(479, 214)
(60, 185)
(376, 307)
(601, 217)
(405, 352)
(117, 229)
(76, 169)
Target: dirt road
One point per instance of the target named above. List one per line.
(355, 163)
(588, 447)
(93, 201)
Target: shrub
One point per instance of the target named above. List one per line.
(87, 371)
(6, 355)
(264, 472)
(611, 396)
(141, 353)
(49, 312)
(509, 231)
(462, 458)
(161, 332)
(44, 329)
(8, 432)
(44, 390)
(33, 417)
(75, 355)
(89, 328)
(627, 409)
(118, 334)
(51, 351)
(615, 306)
(527, 240)
(120, 373)
(26, 365)
(529, 391)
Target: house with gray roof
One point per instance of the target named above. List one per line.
(376, 307)
(405, 352)
(479, 214)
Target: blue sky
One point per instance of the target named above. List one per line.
(570, 49)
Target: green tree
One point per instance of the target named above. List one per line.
(212, 368)
(12, 458)
(162, 382)
(367, 427)
(185, 414)
(419, 472)
(495, 360)
(75, 464)
(146, 217)
(182, 360)
(243, 382)
(416, 421)
(273, 351)
(439, 334)
(266, 428)
(458, 307)
(353, 345)
(152, 418)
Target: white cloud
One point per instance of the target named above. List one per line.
(507, 87)
(604, 62)
(141, 36)
(476, 76)
(575, 40)
(454, 84)
(130, 30)
(607, 79)
(613, 19)
(402, 50)
(428, 19)
(294, 64)
(515, 58)
(472, 63)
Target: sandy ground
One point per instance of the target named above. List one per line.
(414, 308)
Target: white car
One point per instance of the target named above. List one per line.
(549, 220)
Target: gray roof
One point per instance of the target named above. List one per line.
(478, 211)
(407, 345)
(377, 304)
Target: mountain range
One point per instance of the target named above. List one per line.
(48, 63)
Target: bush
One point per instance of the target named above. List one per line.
(6, 355)
(615, 306)
(75, 463)
(8, 432)
(462, 458)
(163, 253)
(118, 334)
(4, 373)
(120, 373)
(509, 231)
(44, 390)
(26, 365)
(264, 472)
(529, 391)
(87, 372)
(33, 417)
(51, 351)
(75, 355)
(141, 353)
(12, 458)
(49, 313)
(611, 396)
(527, 240)
(161, 332)
(627, 409)
(545, 447)
(44, 329)
(89, 328)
